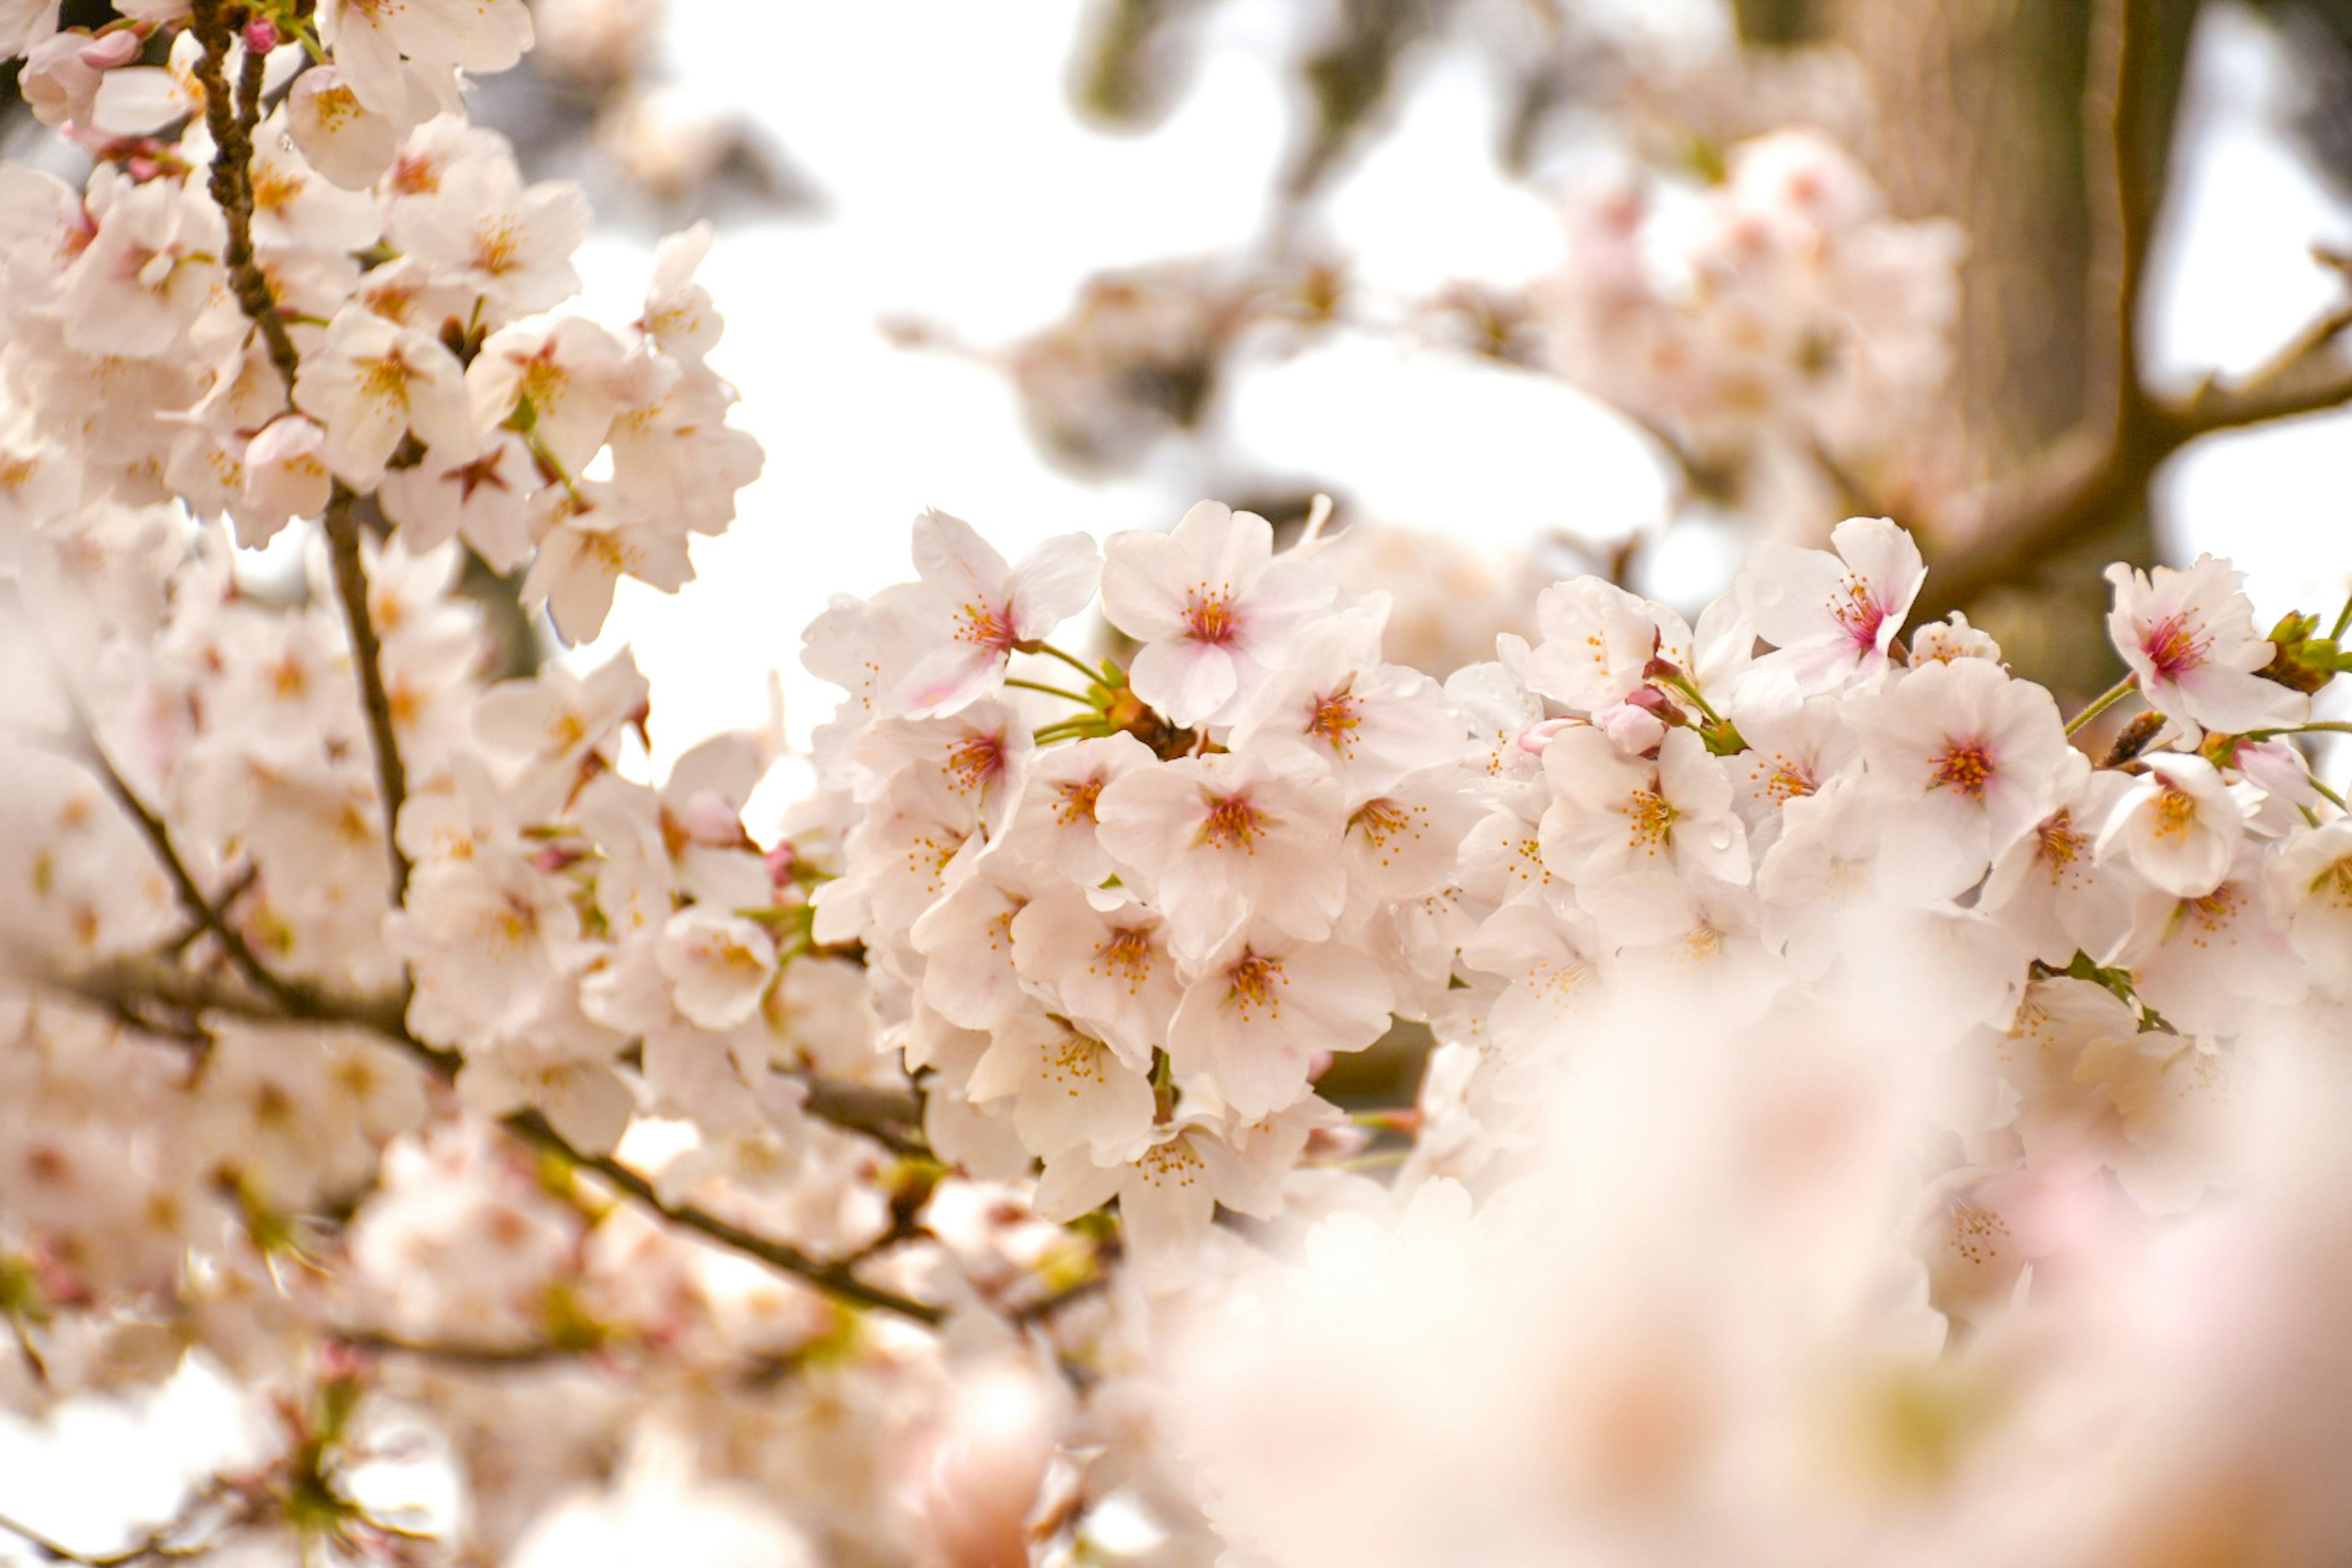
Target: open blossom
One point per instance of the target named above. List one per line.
(1219, 840)
(1372, 723)
(2179, 825)
(392, 50)
(1831, 618)
(2189, 637)
(1598, 642)
(484, 228)
(720, 964)
(1980, 751)
(1212, 606)
(1611, 813)
(373, 383)
(1170, 1190)
(1260, 1010)
(1068, 1088)
(978, 610)
(1103, 961)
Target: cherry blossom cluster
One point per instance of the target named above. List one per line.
(1776, 324)
(1763, 1087)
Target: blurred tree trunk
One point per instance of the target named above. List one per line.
(2000, 114)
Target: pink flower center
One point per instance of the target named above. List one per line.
(1859, 614)
(976, 761)
(1965, 768)
(2173, 647)
(1335, 720)
(1209, 617)
(986, 626)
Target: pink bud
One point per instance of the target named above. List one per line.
(1631, 728)
(782, 861)
(260, 34)
(1536, 737)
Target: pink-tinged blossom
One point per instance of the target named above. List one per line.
(344, 140)
(561, 373)
(976, 611)
(979, 753)
(1550, 968)
(62, 73)
(484, 497)
(23, 24)
(137, 289)
(1611, 813)
(2177, 825)
(1259, 1012)
(1069, 1090)
(1598, 643)
(2206, 964)
(481, 228)
(285, 475)
(1101, 959)
(1169, 1192)
(2050, 886)
(1052, 822)
(1212, 606)
(1831, 618)
(2189, 637)
(372, 383)
(1792, 753)
(2310, 890)
(1406, 842)
(719, 965)
(966, 940)
(390, 49)
(680, 316)
(1371, 724)
(1980, 751)
(671, 443)
(593, 539)
(1221, 839)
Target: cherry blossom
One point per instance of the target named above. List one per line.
(1212, 604)
(2189, 637)
(1830, 619)
(983, 610)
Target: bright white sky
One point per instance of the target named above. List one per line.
(961, 190)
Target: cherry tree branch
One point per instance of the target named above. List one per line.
(231, 124)
(2103, 470)
(155, 1545)
(367, 663)
(288, 998)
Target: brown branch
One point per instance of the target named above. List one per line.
(491, 1358)
(291, 999)
(112, 983)
(231, 125)
(2085, 478)
(834, 1278)
(156, 1543)
(367, 660)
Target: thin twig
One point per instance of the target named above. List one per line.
(194, 993)
(367, 659)
(291, 999)
(833, 1278)
(156, 1543)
